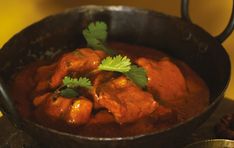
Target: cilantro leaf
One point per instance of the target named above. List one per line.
(95, 35)
(137, 75)
(71, 84)
(84, 82)
(74, 82)
(97, 31)
(117, 64)
(68, 92)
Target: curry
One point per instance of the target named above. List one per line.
(80, 93)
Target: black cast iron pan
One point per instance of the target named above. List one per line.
(176, 36)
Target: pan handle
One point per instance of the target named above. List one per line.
(7, 106)
(222, 36)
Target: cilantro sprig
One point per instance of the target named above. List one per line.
(74, 82)
(95, 35)
(137, 75)
(117, 64)
(70, 85)
(123, 65)
(69, 93)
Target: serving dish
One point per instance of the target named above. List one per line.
(212, 143)
(177, 37)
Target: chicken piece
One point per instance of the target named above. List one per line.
(52, 106)
(42, 77)
(125, 100)
(100, 78)
(198, 94)
(40, 99)
(74, 111)
(80, 61)
(165, 80)
(44, 72)
(79, 112)
(195, 84)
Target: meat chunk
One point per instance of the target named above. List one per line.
(166, 81)
(79, 61)
(44, 72)
(125, 100)
(100, 78)
(41, 99)
(74, 111)
(51, 106)
(79, 112)
(42, 77)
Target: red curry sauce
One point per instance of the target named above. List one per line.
(115, 106)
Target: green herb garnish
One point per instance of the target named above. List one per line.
(123, 65)
(70, 85)
(117, 64)
(95, 35)
(74, 82)
(68, 92)
(137, 75)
